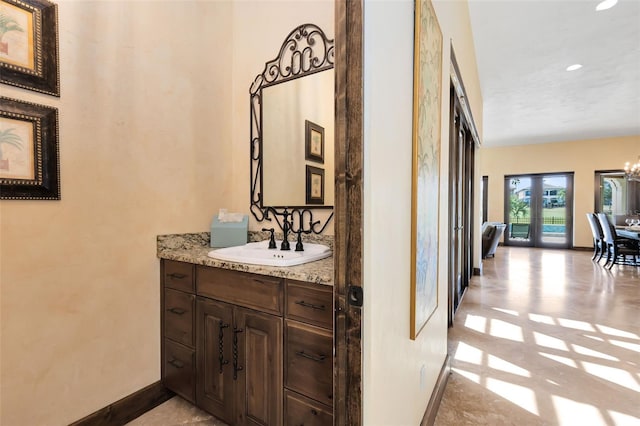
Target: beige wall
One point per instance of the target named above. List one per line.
(154, 139)
(144, 150)
(399, 374)
(581, 157)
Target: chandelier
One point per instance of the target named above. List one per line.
(632, 171)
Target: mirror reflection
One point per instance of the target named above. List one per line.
(298, 145)
(291, 133)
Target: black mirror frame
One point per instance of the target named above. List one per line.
(305, 51)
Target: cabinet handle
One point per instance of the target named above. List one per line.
(176, 363)
(318, 358)
(314, 412)
(177, 311)
(236, 367)
(310, 305)
(221, 359)
(176, 276)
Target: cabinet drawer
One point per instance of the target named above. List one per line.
(179, 311)
(178, 369)
(304, 411)
(311, 303)
(239, 288)
(178, 275)
(309, 361)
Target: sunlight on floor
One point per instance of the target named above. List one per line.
(553, 275)
(561, 359)
(541, 340)
(507, 311)
(578, 325)
(505, 330)
(549, 342)
(572, 413)
(519, 395)
(579, 357)
(631, 346)
(477, 323)
(615, 332)
(620, 419)
(469, 354)
(590, 352)
(475, 378)
(614, 375)
(544, 319)
(503, 365)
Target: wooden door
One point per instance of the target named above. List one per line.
(258, 367)
(214, 353)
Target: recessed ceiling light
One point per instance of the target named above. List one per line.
(574, 67)
(606, 4)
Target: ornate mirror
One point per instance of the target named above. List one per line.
(292, 119)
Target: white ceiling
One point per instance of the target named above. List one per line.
(523, 48)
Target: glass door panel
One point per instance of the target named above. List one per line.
(518, 190)
(554, 211)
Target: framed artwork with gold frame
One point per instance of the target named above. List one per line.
(29, 159)
(427, 100)
(29, 45)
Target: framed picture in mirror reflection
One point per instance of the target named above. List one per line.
(315, 185)
(314, 142)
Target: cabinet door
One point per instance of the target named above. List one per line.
(259, 368)
(215, 383)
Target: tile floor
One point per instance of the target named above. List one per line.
(174, 412)
(544, 337)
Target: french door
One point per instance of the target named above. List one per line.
(461, 195)
(539, 210)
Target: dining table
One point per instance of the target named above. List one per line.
(628, 232)
(631, 232)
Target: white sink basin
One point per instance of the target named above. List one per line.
(260, 254)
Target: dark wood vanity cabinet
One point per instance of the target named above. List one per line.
(250, 349)
(308, 354)
(239, 364)
(177, 317)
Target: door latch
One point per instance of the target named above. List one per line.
(355, 296)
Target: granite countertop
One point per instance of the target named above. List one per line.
(193, 248)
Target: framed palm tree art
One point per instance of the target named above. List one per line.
(29, 45)
(29, 160)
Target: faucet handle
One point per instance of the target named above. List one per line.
(272, 238)
(299, 246)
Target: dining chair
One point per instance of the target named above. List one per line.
(617, 247)
(599, 246)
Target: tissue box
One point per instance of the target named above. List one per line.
(228, 234)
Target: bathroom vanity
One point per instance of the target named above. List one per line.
(254, 345)
(249, 344)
